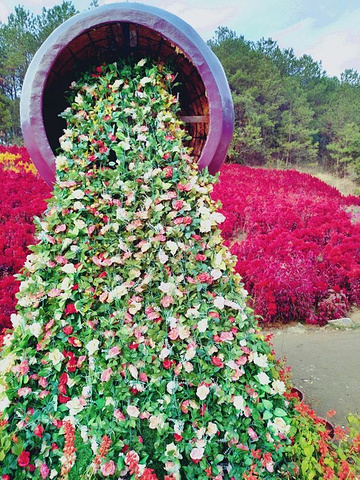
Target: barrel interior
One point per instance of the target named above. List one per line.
(109, 42)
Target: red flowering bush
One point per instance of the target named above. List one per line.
(22, 196)
(296, 242)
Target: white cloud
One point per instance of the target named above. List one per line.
(205, 19)
(336, 44)
(4, 12)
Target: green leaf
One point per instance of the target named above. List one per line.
(267, 404)
(279, 412)
(267, 415)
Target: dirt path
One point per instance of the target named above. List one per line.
(325, 366)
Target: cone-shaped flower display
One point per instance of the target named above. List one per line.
(133, 353)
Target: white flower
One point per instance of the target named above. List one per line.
(202, 325)
(141, 62)
(77, 194)
(197, 454)
(205, 225)
(145, 80)
(61, 162)
(184, 332)
(92, 346)
(119, 291)
(172, 450)
(263, 378)
(171, 387)
(16, 320)
(75, 405)
(278, 387)
(280, 425)
(7, 363)
(165, 352)
(190, 353)
(163, 257)
(79, 99)
(218, 217)
(188, 367)
(68, 268)
(66, 145)
(239, 402)
(202, 392)
(211, 428)
(55, 356)
(260, 360)
(154, 422)
(117, 84)
(167, 287)
(78, 206)
(219, 302)
(172, 246)
(4, 403)
(79, 223)
(35, 329)
(124, 145)
(133, 411)
(216, 274)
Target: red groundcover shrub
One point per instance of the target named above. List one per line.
(22, 195)
(297, 245)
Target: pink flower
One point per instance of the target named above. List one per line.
(108, 468)
(44, 470)
(39, 431)
(55, 292)
(174, 334)
(167, 301)
(60, 228)
(43, 382)
(252, 434)
(22, 392)
(106, 374)
(113, 352)
(119, 415)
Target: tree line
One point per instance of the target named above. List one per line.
(287, 109)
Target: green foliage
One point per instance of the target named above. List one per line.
(287, 110)
(20, 38)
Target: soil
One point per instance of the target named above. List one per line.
(325, 364)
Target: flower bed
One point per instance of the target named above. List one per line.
(22, 196)
(296, 241)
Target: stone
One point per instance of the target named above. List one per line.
(341, 322)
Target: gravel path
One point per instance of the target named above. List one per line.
(325, 365)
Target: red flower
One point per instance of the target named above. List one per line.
(39, 431)
(217, 362)
(133, 346)
(70, 309)
(167, 364)
(63, 398)
(177, 437)
(23, 459)
(75, 342)
(68, 330)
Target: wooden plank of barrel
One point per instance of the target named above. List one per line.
(126, 29)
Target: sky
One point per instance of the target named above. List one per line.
(328, 30)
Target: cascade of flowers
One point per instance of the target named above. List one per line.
(133, 354)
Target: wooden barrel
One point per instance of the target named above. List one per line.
(125, 30)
